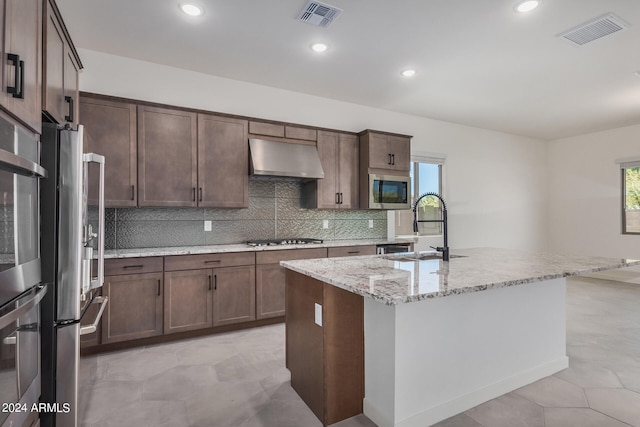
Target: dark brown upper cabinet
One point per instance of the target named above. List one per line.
(339, 189)
(21, 52)
(110, 130)
(167, 157)
(223, 175)
(61, 68)
(384, 151)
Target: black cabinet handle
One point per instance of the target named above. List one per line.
(393, 159)
(389, 159)
(340, 198)
(69, 118)
(209, 282)
(212, 261)
(215, 282)
(18, 89)
(200, 194)
(133, 192)
(337, 198)
(158, 287)
(194, 193)
(353, 252)
(133, 266)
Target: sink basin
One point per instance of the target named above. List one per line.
(420, 257)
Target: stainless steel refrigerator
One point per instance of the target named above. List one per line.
(73, 262)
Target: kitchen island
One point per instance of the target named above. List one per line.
(411, 340)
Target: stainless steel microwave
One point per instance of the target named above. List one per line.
(389, 192)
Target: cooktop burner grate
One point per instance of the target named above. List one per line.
(278, 242)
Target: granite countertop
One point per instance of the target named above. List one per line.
(394, 279)
(241, 247)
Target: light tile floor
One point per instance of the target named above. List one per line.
(239, 379)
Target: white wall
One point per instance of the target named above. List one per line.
(495, 183)
(585, 195)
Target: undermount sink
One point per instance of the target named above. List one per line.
(419, 257)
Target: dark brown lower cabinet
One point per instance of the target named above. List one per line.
(135, 307)
(270, 291)
(197, 299)
(326, 361)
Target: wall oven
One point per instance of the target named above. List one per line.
(389, 192)
(21, 290)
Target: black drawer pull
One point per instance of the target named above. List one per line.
(215, 282)
(212, 261)
(133, 266)
(393, 159)
(69, 118)
(390, 159)
(18, 89)
(158, 287)
(209, 282)
(353, 252)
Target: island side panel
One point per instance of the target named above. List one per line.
(343, 324)
(305, 340)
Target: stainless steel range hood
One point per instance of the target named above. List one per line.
(275, 158)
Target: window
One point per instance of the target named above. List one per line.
(426, 177)
(631, 197)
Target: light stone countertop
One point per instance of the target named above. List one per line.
(241, 247)
(394, 279)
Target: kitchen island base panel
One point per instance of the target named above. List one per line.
(429, 360)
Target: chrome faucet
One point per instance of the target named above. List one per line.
(445, 247)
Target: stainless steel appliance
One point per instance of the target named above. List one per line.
(279, 242)
(393, 248)
(21, 290)
(276, 158)
(68, 243)
(389, 192)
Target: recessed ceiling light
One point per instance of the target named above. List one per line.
(409, 72)
(191, 9)
(527, 5)
(319, 47)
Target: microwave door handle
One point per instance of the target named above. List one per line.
(380, 191)
(97, 282)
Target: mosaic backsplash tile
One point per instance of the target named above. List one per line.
(274, 212)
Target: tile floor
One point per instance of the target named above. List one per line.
(239, 380)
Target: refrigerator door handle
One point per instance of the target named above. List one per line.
(89, 329)
(97, 282)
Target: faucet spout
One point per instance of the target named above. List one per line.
(445, 247)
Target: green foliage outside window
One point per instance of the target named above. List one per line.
(632, 188)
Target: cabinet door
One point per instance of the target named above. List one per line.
(400, 148)
(53, 78)
(187, 300)
(110, 130)
(22, 37)
(71, 95)
(348, 172)
(167, 157)
(223, 159)
(379, 153)
(134, 309)
(270, 289)
(328, 186)
(234, 296)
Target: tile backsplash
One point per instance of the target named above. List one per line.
(274, 212)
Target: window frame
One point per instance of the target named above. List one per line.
(437, 160)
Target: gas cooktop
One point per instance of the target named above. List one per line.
(278, 242)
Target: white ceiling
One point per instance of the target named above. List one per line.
(478, 62)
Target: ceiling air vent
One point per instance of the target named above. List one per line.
(595, 29)
(319, 14)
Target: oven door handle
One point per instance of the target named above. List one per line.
(14, 315)
(89, 329)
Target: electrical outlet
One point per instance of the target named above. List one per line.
(318, 314)
(370, 223)
(325, 223)
(207, 226)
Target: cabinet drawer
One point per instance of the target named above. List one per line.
(300, 133)
(269, 129)
(274, 257)
(192, 262)
(114, 267)
(351, 251)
